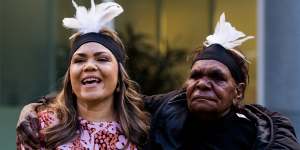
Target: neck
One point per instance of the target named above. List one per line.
(96, 110)
(210, 117)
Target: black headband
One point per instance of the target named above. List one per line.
(102, 39)
(219, 53)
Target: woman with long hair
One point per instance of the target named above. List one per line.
(98, 106)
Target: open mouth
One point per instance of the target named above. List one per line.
(90, 80)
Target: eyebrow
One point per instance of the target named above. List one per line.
(84, 55)
(212, 71)
(217, 71)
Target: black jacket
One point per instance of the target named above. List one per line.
(169, 113)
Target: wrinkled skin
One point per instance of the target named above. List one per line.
(211, 90)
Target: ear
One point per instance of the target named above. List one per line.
(240, 90)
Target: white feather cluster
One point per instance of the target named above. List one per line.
(94, 19)
(227, 36)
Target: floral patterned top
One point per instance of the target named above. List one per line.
(94, 135)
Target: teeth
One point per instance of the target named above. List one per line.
(90, 80)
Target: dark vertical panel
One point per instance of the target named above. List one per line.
(1, 50)
(53, 20)
(27, 44)
(282, 36)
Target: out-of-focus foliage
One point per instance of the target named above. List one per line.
(155, 71)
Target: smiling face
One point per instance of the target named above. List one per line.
(93, 72)
(210, 89)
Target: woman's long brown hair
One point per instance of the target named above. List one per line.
(128, 106)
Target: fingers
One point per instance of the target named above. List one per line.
(30, 128)
(25, 142)
(26, 133)
(35, 126)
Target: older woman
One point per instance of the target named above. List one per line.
(208, 114)
(98, 106)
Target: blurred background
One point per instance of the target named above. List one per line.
(160, 37)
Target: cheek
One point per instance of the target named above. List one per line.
(226, 94)
(74, 76)
(114, 77)
(189, 87)
(111, 73)
(115, 72)
(75, 70)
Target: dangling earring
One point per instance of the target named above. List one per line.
(118, 87)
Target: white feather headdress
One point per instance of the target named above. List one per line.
(227, 36)
(94, 19)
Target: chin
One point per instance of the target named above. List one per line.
(199, 109)
(91, 96)
(203, 107)
(206, 113)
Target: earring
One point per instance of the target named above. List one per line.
(118, 87)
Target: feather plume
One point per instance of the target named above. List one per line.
(94, 19)
(227, 36)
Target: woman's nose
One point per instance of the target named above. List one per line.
(203, 83)
(90, 66)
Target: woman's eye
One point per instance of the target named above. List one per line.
(195, 75)
(78, 60)
(218, 77)
(102, 59)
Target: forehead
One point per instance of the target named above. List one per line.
(210, 65)
(92, 47)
